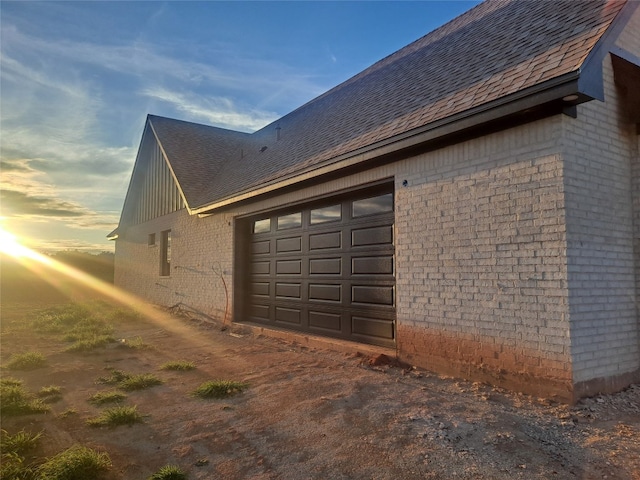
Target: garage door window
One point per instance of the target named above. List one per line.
(326, 214)
(373, 205)
(293, 220)
(262, 226)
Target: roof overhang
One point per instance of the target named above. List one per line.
(626, 73)
(559, 95)
(113, 235)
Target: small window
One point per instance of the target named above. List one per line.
(165, 253)
(292, 220)
(326, 214)
(373, 205)
(262, 226)
(151, 240)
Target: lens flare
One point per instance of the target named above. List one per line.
(9, 245)
(53, 271)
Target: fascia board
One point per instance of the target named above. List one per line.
(591, 81)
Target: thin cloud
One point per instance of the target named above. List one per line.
(246, 75)
(15, 203)
(213, 110)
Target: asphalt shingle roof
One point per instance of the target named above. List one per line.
(496, 49)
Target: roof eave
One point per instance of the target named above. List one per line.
(553, 90)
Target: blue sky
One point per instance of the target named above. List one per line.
(77, 80)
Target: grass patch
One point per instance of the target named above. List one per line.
(75, 463)
(89, 344)
(102, 398)
(140, 382)
(50, 394)
(61, 318)
(68, 413)
(179, 365)
(10, 381)
(13, 448)
(219, 389)
(86, 326)
(16, 400)
(115, 378)
(115, 416)
(19, 443)
(26, 361)
(124, 315)
(135, 343)
(169, 472)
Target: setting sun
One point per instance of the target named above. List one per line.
(9, 245)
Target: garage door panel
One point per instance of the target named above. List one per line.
(372, 327)
(332, 293)
(288, 315)
(260, 311)
(372, 295)
(323, 241)
(260, 268)
(261, 248)
(325, 321)
(382, 265)
(288, 267)
(288, 290)
(293, 244)
(325, 266)
(362, 237)
(260, 289)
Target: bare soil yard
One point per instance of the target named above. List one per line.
(309, 413)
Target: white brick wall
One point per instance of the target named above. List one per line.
(598, 147)
(481, 269)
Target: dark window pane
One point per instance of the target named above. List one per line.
(262, 226)
(370, 206)
(326, 214)
(290, 221)
(165, 253)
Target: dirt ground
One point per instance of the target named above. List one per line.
(316, 414)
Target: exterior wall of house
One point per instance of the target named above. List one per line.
(202, 251)
(201, 257)
(514, 253)
(481, 270)
(598, 149)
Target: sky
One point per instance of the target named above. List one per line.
(77, 80)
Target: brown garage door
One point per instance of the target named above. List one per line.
(326, 269)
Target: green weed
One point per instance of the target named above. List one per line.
(16, 400)
(75, 463)
(88, 344)
(102, 398)
(180, 365)
(140, 382)
(169, 472)
(19, 443)
(10, 381)
(135, 343)
(112, 417)
(13, 448)
(115, 378)
(61, 318)
(50, 394)
(26, 361)
(219, 389)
